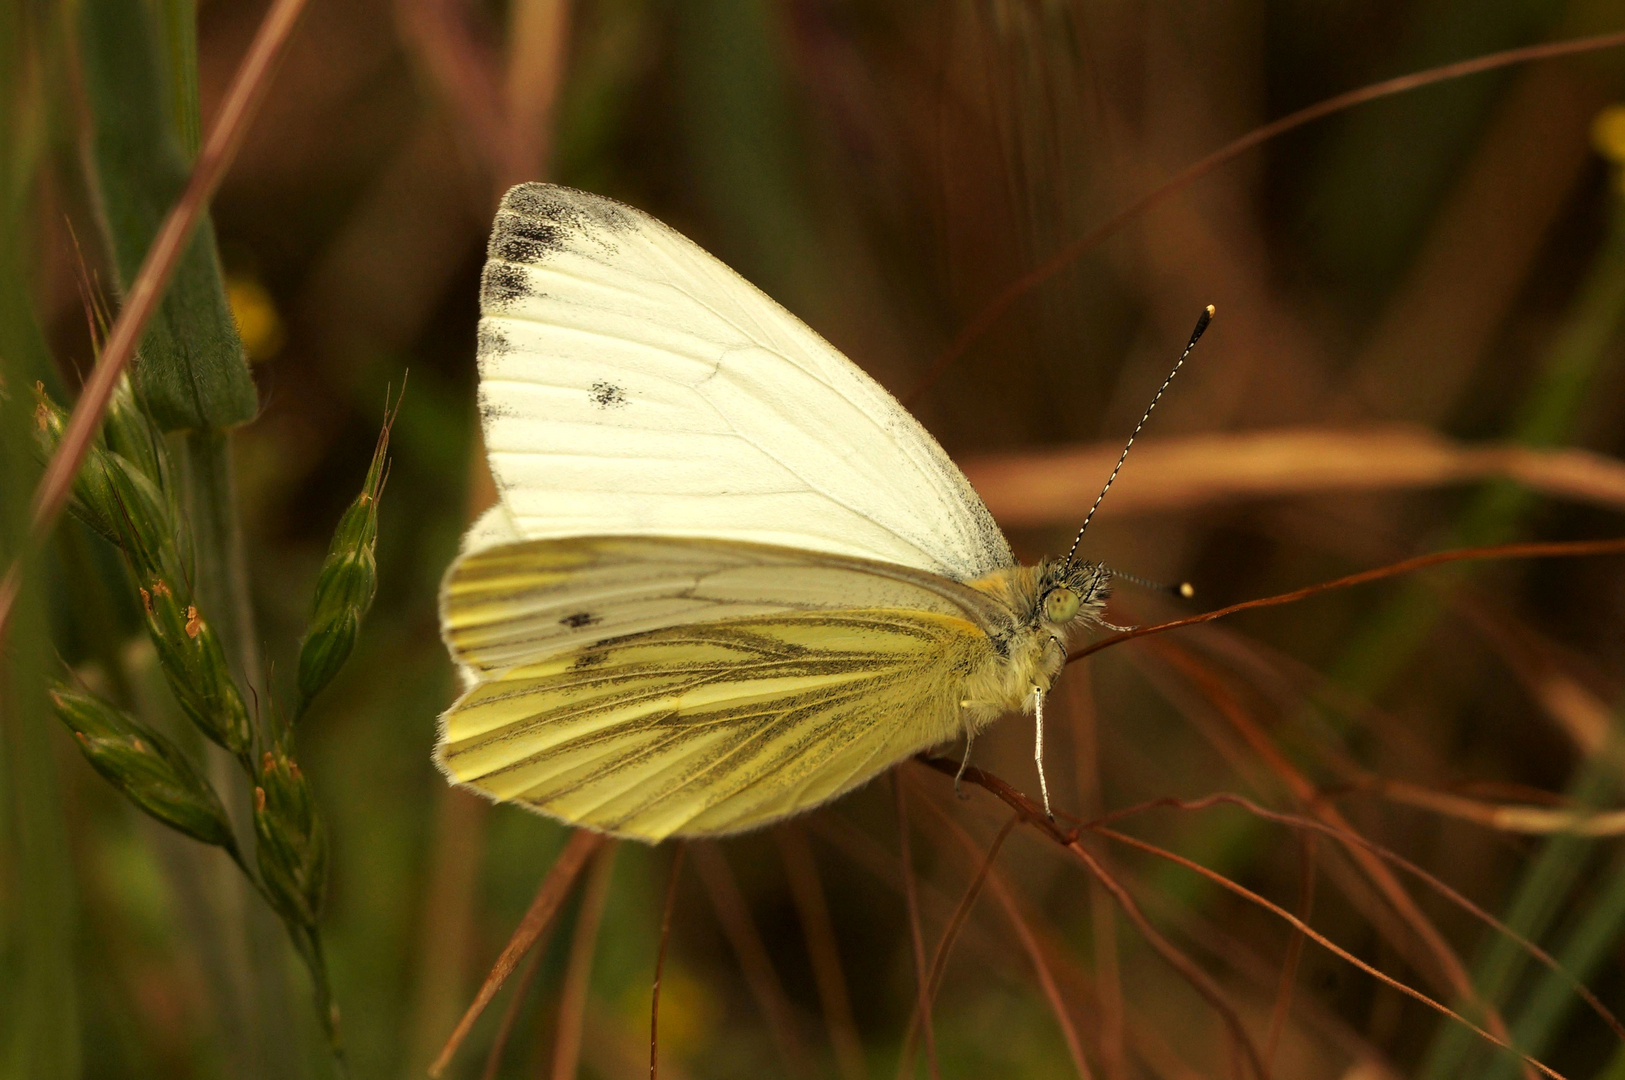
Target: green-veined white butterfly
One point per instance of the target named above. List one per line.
(729, 577)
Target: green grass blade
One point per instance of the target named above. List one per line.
(191, 370)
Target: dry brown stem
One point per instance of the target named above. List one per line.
(660, 957)
(818, 929)
(1006, 298)
(733, 913)
(921, 982)
(247, 91)
(1047, 487)
(578, 972)
(1023, 931)
(1555, 549)
(551, 893)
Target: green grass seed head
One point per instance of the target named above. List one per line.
(292, 846)
(151, 771)
(194, 664)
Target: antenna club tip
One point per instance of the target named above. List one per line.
(1212, 311)
(1186, 589)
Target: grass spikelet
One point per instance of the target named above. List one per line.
(292, 847)
(348, 578)
(151, 771)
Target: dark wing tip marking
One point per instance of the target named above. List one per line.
(492, 342)
(502, 284)
(537, 221)
(491, 409)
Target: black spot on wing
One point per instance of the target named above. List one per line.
(607, 395)
(578, 620)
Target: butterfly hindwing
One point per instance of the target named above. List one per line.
(714, 727)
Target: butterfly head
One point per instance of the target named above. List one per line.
(1068, 594)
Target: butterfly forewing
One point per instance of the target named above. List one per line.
(631, 384)
(520, 602)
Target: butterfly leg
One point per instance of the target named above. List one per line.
(1038, 749)
(970, 741)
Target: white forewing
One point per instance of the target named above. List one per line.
(633, 385)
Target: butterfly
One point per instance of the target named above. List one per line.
(729, 577)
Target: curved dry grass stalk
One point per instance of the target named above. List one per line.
(1187, 968)
(510, 1015)
(1294, 949)
(1046, 487)
(1556, 549)
(1351, 839)
(578, 972)
(1023, 932)
(243, 98)
(950, 934)
(923, 1004)
(816, 926)
(1006, 298)
(1032, 814)
(939, 962)
(660, 958)
(1320, 939)
(549, 895)
(1452, 970)
(733, 914)
(1525, 820)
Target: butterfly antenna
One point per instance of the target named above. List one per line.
(1196, 335)
(1183, 589)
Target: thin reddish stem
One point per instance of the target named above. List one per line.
(1006, 298)
(939, 961)
(1320, 939)
(1553, 549)
(819, 931)
(922, 988)
(660, 960)
(1023, 931)
(722, 887)
(1294, 949)
(510, 1015)
(243, 98)
(1034, 815)
(578, 972)
(551, 893)
(1352, 839)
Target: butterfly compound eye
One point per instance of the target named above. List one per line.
(1060, 605)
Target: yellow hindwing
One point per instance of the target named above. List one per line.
(713, 727)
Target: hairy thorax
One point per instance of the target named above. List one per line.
(1027, 647)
